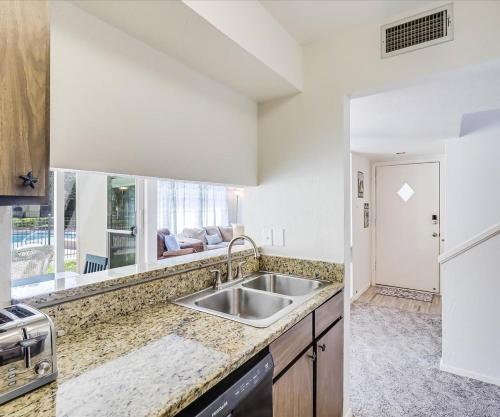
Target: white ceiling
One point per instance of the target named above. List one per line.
(419, 119)
(311, 20)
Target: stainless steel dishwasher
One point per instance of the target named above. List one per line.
(248, 392)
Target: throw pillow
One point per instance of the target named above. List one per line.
(213, 239)
(213, 230)
(194, 233)
(226, 232)
(238, 229)
(171, 242)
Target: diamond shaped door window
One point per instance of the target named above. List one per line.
(406, 192)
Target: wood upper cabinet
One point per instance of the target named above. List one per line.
(329, 372)
(24, 99)
(293, 394)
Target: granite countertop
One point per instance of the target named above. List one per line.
(149, 363)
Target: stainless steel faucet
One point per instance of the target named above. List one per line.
(229, 255)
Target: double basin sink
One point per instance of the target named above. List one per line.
(257, 300)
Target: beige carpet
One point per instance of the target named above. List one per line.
(395, 369)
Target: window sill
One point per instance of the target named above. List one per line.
(68, 286)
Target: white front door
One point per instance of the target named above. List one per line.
(407, 226)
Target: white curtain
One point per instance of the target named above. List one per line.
(186, 204)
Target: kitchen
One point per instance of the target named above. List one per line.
(175, 204)
(178, 336)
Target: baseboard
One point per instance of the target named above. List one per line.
(468, 374)
(361, 292)
(348, 413)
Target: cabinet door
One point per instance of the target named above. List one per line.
(293, 392)
(329, 374)
(24, 99)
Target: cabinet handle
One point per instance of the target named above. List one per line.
(312, 356)
(29, 180)
(322, 347)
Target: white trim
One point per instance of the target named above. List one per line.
(348, 412)
(140, 246)
(347, 250)
(361, 292)
(150, 218)
(468, 374)
(404, 160)
(469, 244)
(58, 220)
(5, 255)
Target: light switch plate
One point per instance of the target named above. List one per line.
(267, 237)
(279, 237)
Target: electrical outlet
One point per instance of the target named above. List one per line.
(267, 237)
(279, 237)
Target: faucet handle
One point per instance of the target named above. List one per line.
(217, 278)
(239, 269)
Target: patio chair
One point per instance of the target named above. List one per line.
(32, 261)
(94, 263)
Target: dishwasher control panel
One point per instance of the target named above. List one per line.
(228, 401)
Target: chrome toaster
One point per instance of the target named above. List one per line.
(27, 351)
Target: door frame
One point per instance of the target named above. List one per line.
(138, 231)
(440, 159)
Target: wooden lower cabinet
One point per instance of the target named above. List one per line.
(293, 394)
(329, 372)
(313, 386)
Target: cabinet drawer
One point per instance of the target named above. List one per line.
(289, 345)
(327, 313)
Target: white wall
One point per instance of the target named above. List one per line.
(471, 282)
(470, 286)
(302, 155)
(361, 236)
(473, 175)
(91, 215)
(301, 149)
(118, 105)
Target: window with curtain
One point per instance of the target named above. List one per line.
(186, 204)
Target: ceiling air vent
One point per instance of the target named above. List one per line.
(418, 31)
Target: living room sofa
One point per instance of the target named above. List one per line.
(193, 240)
(187, 246)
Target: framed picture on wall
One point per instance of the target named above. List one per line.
(366, 215)
(361, 184)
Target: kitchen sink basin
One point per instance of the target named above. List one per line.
(282, 284)
(257, 300)
(245, 304)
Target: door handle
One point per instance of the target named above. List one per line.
(435, 234)
(322, 347)
(313, 356)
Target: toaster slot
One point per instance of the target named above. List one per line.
(10, 349)
(9, 354)
(4, 319)
(19, 312)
